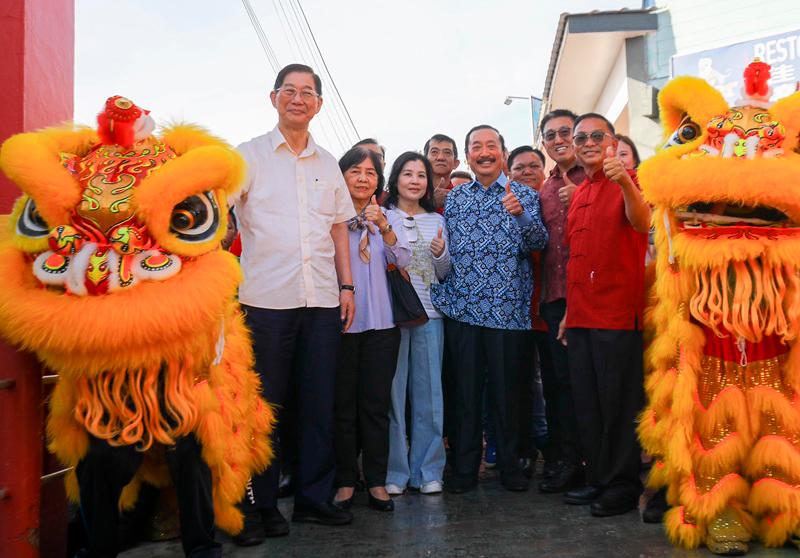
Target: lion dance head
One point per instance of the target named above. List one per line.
(112, 274)
(724, 365)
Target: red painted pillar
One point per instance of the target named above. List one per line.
(36, 73)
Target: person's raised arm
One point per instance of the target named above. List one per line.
(637, 210)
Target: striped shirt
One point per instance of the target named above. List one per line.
(423, 269)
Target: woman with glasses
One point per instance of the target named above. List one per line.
(368, 355)
(418, 379)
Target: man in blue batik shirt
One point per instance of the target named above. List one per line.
(493, 225)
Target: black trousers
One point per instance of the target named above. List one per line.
(296, 352)
(606, 367)
(476, 352)
(105, 471)
(448, 396)
(562, 426)
(367, 363)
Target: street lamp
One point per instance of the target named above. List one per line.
(510, 99)
(536, 109)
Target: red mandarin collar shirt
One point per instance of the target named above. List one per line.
(605, 271)
(554, 215)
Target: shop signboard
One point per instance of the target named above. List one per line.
(723, 67)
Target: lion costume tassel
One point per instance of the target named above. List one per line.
(112, 274)
(723, 417)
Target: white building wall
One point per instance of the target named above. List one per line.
(694, 25)
(614, 97)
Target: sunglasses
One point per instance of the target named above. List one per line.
(563, 133)
(597, 136)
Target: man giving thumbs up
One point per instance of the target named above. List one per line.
(607, 236)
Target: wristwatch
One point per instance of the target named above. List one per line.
(350, 288)
(387, 228)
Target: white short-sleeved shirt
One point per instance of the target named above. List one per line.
(285, 211)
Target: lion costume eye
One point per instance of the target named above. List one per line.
(687, 131)
(30, 222)
(196, 218)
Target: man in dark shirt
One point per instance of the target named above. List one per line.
(556, 192)
(607, 227)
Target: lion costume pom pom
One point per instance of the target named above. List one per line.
(723, 418)
(112, 274)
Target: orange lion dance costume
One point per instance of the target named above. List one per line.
(723, 418)
(112, 274)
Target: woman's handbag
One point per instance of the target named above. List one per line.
(407, 308)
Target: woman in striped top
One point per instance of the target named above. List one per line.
(419, 364)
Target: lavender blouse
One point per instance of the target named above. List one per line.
(373, 298)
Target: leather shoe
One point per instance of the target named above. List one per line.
(656, 507)
(582, 496)
(614, 502)
(460, 485)
(515, 482)
(344, 504)
(324, 514)
(381, 505)
(253, 532)
(567, 478)
(275, 525)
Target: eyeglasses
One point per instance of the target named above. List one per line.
(597, 137)
(563, 133)
(531, 166)
(290, 92)
(446, 152)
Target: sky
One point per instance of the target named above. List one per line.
(406, 70)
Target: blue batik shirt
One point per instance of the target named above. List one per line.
(490, 282)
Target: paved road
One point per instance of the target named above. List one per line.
(489, 522)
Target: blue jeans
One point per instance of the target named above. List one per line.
(418, 375)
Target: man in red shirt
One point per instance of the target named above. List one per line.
(607, 227)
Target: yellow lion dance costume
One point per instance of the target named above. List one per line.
(723, 418)
(111, 273)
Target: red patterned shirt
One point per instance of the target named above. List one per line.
(554, 215)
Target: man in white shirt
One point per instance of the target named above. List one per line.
(297, 295)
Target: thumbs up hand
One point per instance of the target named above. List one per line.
(437, 244)
(440, 192)
(510, 202)
(567, 190)
(613, 167)
(373, 213)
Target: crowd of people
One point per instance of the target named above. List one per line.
(532, 285)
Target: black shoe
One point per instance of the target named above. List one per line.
(344, 504)
(285, 486)
(614, 502)
(324, 514)
(275, 525)
(567, 478)
(526, 465)
(656, 507)
(460, 485)
(253, 531)
(515, 482)
(551, 468)
(582, 496)
(381, 505)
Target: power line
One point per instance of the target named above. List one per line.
(262, 38)
(325, 65)
(334, 107)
